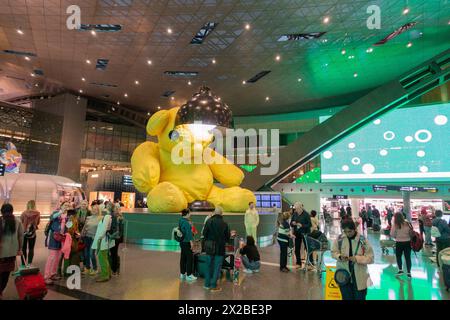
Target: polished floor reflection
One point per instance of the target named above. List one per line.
(148, 274)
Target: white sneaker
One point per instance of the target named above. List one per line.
(256, 271)
(182, 277)
(191, 278)
(248, 271)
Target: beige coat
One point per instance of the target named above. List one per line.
(364, 256)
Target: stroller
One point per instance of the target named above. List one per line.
(316, 242)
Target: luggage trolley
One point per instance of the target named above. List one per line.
(315, 245)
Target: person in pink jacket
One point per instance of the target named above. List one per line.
(400, 231)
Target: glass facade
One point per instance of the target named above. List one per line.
(110, 142)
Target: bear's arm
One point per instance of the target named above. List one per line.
(226, 172)
(145, 166)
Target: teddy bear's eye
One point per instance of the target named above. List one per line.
(174, 135)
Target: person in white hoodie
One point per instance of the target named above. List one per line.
(101, 244)
(251, 221)
(353, 253)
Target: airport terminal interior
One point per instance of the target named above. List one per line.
(145, 145)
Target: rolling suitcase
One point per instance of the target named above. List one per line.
(444, 262)
(200, 265)
(30, 284)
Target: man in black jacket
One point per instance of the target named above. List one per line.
(217, 230)
(301, 224)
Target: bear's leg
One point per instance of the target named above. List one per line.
(234, 199)
(166, 197)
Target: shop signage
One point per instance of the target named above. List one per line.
(340, 196)
(127, 180)
(404, 188)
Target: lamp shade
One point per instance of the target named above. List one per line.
(205, 109)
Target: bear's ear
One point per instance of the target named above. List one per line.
(157, 122)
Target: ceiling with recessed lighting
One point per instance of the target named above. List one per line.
(310, 71)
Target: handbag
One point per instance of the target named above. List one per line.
(412, 233)
(342, 277)
(210, 247)
(59, 237)
(81, 246)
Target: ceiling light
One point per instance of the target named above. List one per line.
(343, 51)
(355, 75)
(148, 113)
(149, 61)
(19, 31)
(136, 82)
(169, 30)
(267, 98)
(81, 91)
(409, 45)
(113, 109)
(299, 79)
(278, 58)
(172, 98)
(244, 82)
(324, 40)
(214, 61)
(83, 79)
(118, 103)
(405, 11)
(36, 85)
(27, 58)
(93, 33)
(247, 26)
(126, 95)
(159, 107)
(326, 19)
(351, 57)
(88, 61)
(326, 65)
(189, 82)
(33, 75)
(369, 50)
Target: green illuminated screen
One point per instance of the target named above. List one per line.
(408, 144)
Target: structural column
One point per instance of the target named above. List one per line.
(406, 195)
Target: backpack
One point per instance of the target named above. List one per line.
(416, 240)
(178, 234)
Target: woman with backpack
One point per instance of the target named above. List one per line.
(401, 231)
(353, 253)
(30, 219)
(11, 235)
(116, 233)
(186, 244)
(55, 232)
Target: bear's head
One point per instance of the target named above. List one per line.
(162, 125)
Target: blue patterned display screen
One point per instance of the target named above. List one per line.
(408, 144)
(267, 200)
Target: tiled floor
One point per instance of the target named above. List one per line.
(154, 275)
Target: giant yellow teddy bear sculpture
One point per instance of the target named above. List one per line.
(172, 186)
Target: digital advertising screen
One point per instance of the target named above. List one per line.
(407, 144)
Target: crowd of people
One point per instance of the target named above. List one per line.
(81, 236)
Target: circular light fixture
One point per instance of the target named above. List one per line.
(324, 40)
(81, 91)
(159, 107)
(27, 58)
(169, 30)
(189, 83)
(355, 75)
(83, 79)
(149, 61)
(19, 31)
(172, 98)
(136, 82)
(369, 50)
(118, 103)
(299, 79)
(88, 61)
(93, 33)
(247, 26)
(33, 75)
(244, 82)
(405, 11)
(278, 58)
(351, 57)
(126, 95)
(214, 61)
(204, 112)
(267, 98)
(409, 45)
(343, 51)
(326, 19)
(148, 113)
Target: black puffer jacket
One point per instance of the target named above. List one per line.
(217, 229)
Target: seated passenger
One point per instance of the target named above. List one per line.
(250, 256)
